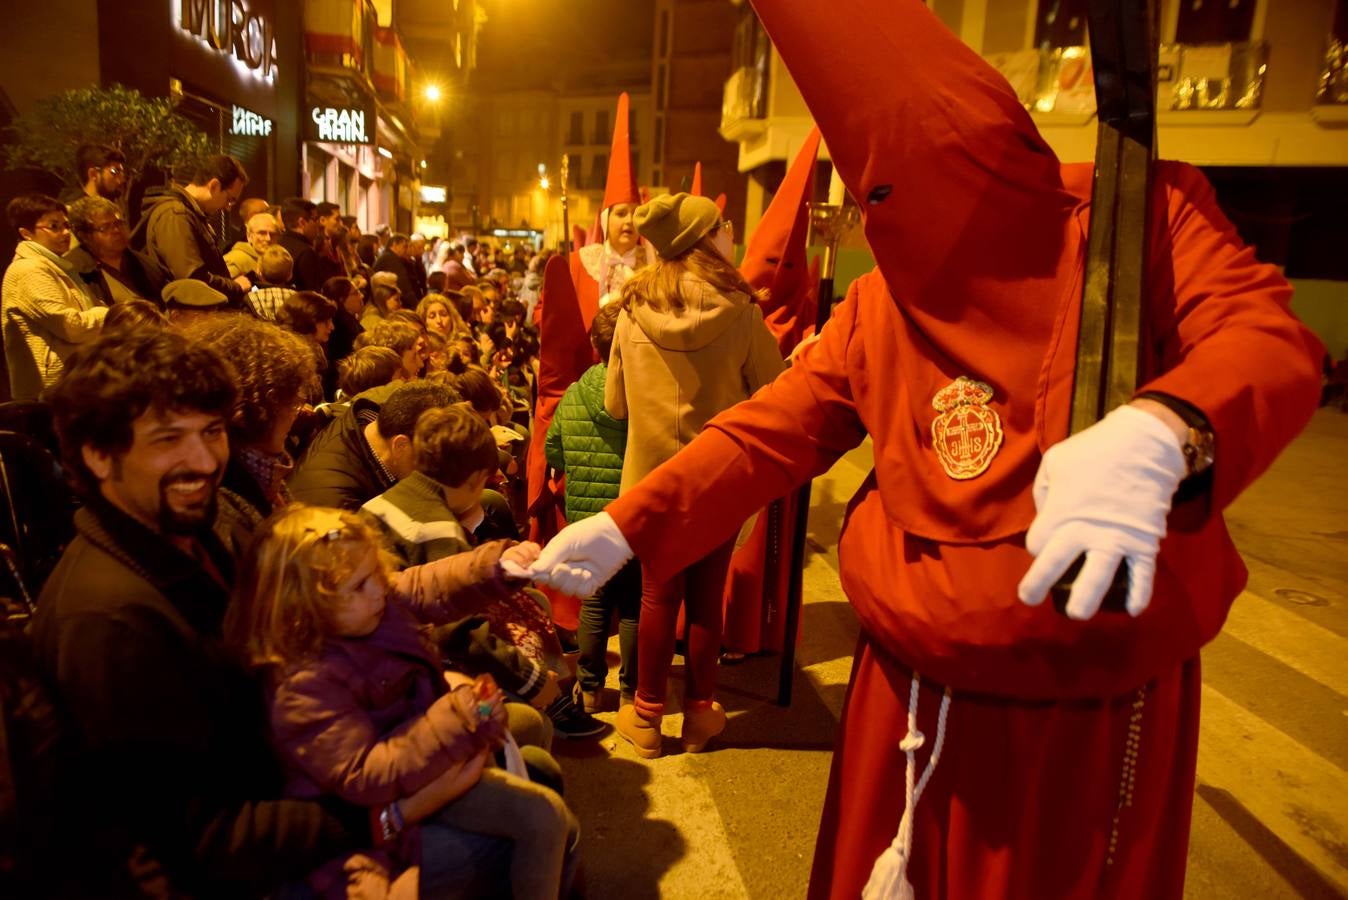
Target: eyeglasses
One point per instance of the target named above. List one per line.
(728, 226)
(111, 228)
(115, 170)
(61, 228)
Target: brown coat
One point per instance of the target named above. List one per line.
(671, 371)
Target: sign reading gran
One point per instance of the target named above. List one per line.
(340, 126)
(231, 27)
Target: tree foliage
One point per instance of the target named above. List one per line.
(147, 131)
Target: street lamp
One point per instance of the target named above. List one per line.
(432, 93)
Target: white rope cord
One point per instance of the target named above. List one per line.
(889, 876)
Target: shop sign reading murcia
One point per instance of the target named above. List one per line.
(232, 27)
(339, 126)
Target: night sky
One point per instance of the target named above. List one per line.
(529, 43)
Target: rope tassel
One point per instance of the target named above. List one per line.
(889, 876)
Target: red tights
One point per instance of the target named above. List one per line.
(700, 587)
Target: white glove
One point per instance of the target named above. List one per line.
(1104, 492)
(582, 557)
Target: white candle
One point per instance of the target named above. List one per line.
(835, 189)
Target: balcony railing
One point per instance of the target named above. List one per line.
(338, 33)
(1333, 88)
(390, 72)
(744, 102)
(1202, 77)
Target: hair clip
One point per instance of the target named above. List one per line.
(332, 534)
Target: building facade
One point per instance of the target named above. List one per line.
(510, 155)
(1243, 83)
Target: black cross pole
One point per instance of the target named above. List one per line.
(1123, 57)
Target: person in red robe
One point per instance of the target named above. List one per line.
(597, 271)
(989, 745)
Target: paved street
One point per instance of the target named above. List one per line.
(1271, 812)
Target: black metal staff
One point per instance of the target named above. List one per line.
(829, 222)
(1124, 60)
(566, 221)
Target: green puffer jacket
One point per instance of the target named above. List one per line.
(586, 443)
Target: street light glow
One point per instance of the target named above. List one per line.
(544, 183)
(432, 93)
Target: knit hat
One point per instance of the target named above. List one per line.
(673, 223)
(193, 293)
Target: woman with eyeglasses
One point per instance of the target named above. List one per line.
(45, 312)
(689, 344)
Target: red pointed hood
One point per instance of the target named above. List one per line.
(926, 136)
(564, 353)
(564, 336)
(775, 257)
(975, 237)
(579, 237)
(622, 178)
(696, 188)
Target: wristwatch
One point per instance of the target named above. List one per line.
(1199, 443)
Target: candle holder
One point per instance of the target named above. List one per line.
(829, 223)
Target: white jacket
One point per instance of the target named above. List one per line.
(45, 316)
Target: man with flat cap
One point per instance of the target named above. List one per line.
(186, 299)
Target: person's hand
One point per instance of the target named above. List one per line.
(1104, 492)
(517, 559)
(583, 556)
(243, 282)
(549, 692)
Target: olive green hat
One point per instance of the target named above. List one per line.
(673, 223)
(192, 293)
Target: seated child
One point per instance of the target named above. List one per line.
(437, 510)
(275, 267)
(362, 709)
(588, 444)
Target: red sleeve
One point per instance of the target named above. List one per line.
(790, 431)
(1242, 357)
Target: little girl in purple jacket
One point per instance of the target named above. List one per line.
(362, 708)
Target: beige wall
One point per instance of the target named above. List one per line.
(1281, 132)
(46, 48)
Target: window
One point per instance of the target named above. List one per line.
(659, 139)
(1214, 21)
(664, 33)
(632, 126)
(602, 135)
(576, 134)
(660, 88)
(1061, 23)
(598, 172)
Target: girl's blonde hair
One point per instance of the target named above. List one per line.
(286, 592)
(659, 285)
(456, 323)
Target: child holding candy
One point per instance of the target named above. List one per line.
(362, 709)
